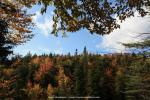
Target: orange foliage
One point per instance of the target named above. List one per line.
(62, 78)
(19, 22)
(109, 72)
(5, 89)
(34, 92)
(7, 72)
(36, 60)
(44, 68)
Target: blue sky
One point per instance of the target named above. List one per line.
(44, 42)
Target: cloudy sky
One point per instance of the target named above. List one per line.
(44, 42)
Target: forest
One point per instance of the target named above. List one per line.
(81, 75)
(108, 77)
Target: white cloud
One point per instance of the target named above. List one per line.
(126, 34)
(44, 24)
(46, 27)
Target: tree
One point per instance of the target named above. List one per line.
(137, 84)
(15, 26)
(85, 68)
(120, 84)
(142, 45)
(76, 52)
(94, 76)
(64, 88)
(21, 75)
(96, 16)
(4, 49)
(27, 57)
(79, 85)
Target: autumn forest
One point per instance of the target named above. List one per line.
(78, 75)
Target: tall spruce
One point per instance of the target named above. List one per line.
(85, 69)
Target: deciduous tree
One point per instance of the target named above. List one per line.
(15, 26)
(97, 16)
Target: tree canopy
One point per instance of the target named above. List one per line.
(97, 16)
(15, 26)
(142, 46)
(108, 77)
(19, 22)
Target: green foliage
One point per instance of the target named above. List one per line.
(79, 80)
(110, 77)
(138, 81)
(143, 45)
(96, 16)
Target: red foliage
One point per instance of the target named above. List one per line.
(44, 68)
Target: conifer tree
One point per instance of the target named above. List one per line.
(79, 80)
(76, 52)
(15, 26)
(94, 76)
(5, 44)
(137, 84)
(85, 68)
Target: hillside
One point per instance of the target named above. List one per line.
(109, 77)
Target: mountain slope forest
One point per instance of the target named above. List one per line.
(108, 77)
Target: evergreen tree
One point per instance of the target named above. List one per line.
(94, 76)
(120, 86)
(15, 26)
(85, 69)
(5, 44)
(137, 85)
(27, 58)
(79, 80)
(76, 52)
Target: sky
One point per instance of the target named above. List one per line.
(44, 42)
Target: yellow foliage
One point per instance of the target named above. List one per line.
(50, 90)
(34, 92)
